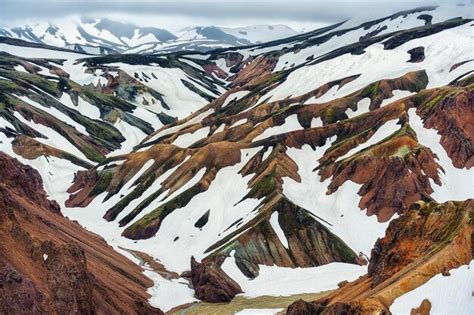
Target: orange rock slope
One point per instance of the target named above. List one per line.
(49, 264)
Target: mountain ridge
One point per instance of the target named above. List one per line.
(105, 36)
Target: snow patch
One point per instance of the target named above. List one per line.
(277, 229)
(291, 124)
(187, 139)
(448, 295)
(280, 281)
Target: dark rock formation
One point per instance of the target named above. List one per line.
(211, 284)
(69, 281)
(417, 54)
(212, 68)
(425, 17)
(458, 64)
(202, 221)
(301, 307)
(373, 33)
(402, 37)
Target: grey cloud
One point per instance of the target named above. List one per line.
(320, 11)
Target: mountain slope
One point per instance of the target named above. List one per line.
(271, 158)
(52, 265)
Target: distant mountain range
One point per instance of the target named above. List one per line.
(104, 36)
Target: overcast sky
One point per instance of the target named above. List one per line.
(174, 15)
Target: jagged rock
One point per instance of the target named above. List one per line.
(18, 294)
(186, 274)
(417, 54)
(423, 309)
(26, 180)
(166, 119)
(254, 71)
(211, 284)
(68, 278)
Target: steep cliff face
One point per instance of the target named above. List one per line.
(52, 265)
(428, 240)
(449, 111)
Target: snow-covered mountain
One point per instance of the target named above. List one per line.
(104, 33)
(104, 36)
(257, 34)
(339, 159)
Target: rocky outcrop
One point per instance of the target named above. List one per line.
(29, 148)
(458, 64)
(399, 38)
(49, 264)
(426, 227)
(423, 309)
(301, 307)
(308, 242)
(394, 173)
(428, 240)
(212, 68)
(26, 181)
(254, 71)
(425, 17)
(212, 284)
(19, 294)
(449, 110)
(417, 54)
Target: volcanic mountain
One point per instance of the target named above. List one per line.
(339, 159)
